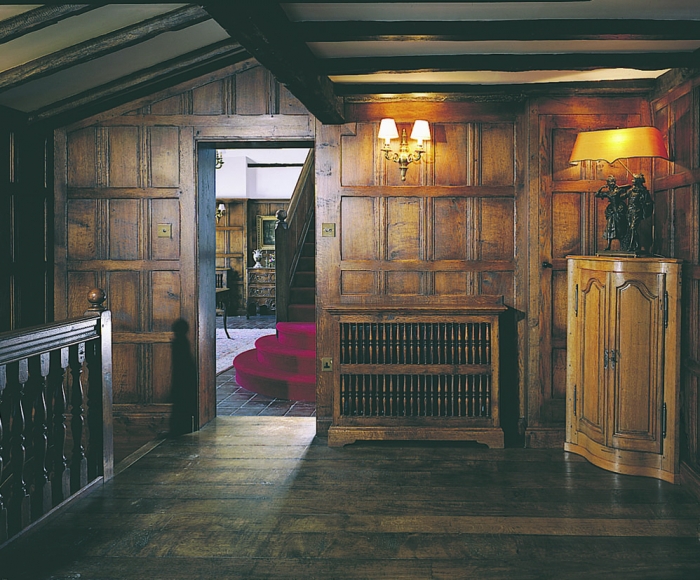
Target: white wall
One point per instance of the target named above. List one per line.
(236, 179)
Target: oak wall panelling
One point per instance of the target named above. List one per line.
(677, 234)
(26, 224)
(566, 218)
(119, 176)
(450, 232)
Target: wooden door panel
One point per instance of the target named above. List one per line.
(497, 160)
(359, 151)
(637, 364)
(453, 284)
(164, 165)
(82, 229)
(124, 156)
(81, 158)
(358, 283)
(567, 224)
(124, 218)
(124, 292)
(404, 230)
(358, 228)
(404, 283)
(449, 148)
(591, 370)
(497, 231)
(450, 232)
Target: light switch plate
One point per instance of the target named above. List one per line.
(165, 230)
(327, 230)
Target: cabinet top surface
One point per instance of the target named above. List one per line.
(628, 260)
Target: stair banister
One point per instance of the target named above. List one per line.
(290, 232)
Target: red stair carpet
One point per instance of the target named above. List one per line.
(282, 366)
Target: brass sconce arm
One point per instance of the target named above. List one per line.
(404, 157)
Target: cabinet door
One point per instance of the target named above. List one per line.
(636, 361)
(591, 331)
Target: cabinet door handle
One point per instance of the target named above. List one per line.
(546, 264)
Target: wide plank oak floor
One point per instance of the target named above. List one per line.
(260, 497)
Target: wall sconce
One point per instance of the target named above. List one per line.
(628, 205)
(220, 211)
(388, 131)
(219, 160)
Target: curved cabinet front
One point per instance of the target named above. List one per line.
(623, 363)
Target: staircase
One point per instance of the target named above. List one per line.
(302, 296)
(281, 366)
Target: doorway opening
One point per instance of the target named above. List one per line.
(253, 180)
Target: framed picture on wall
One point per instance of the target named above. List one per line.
(266, 232)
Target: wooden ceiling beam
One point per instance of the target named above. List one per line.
(263, 28)
(508, 62)
(458, 31)
(102, 45)
(123, 90)
(39, 18)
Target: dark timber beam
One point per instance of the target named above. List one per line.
(102, 46)
(141, 83)
(508, 62)
(39, 18)
(357, 31)
(263, 29)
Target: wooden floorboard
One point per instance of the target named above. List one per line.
(259, 497)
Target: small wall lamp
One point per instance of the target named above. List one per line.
(388, 131)
(220, 211)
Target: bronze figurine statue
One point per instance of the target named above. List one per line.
(640, 206)
(616, 218)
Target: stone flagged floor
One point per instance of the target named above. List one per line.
(234, 400)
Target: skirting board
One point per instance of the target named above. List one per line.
(545, 437)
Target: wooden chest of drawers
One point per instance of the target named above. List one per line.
(260, 290)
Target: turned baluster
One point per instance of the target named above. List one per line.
(60, 479)
(18, 509)
(3, 509)
(78, 465)
(41, 495)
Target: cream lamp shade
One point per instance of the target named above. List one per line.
(421, 132)
(613, 144)
(388, 130)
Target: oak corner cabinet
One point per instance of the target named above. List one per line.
(623, 364)
(417, 373)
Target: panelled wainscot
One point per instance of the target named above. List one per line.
(418, 373)
(623, 364)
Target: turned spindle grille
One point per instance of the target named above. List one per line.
(427, 392)
(421, 374)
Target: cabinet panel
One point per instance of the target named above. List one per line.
(592, 312)
(636, 360)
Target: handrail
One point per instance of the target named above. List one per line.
(290, 232)
(57, 433)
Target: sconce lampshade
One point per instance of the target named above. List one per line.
(421, 131)
(613, 144)
(388, 130)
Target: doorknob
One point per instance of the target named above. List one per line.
(546, 264)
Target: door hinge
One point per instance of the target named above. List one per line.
(666, 309)
(606, 357)
(663, 422)
(613, 358)
(576, 301)
(574, 400)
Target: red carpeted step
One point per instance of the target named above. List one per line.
(280, 356)
(271, 382)
(301, 335)
(282, 366)
(302, 312)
